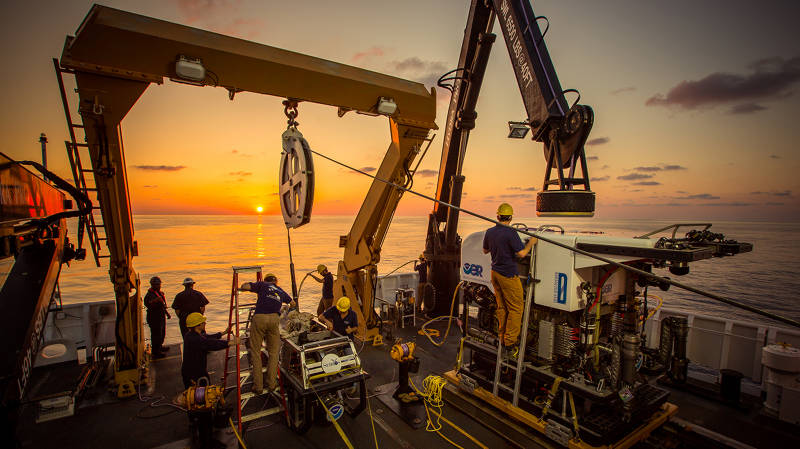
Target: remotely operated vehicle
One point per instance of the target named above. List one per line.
(583, 349)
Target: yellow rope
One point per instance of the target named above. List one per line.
(369, 407)
(330, 417)
(230, 420)
(433, 386)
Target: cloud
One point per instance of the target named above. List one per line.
(647, 183)
(605, 167)
(426, 173)
(372, 52)
(512, 196)
(733, 204)
(592, 158)
(416, 69)
(600, 179)
(771, 203)
(367, 169)
(148, 186)
(769, 78)
(523, 189)
(774, 156)
(634, 177)
(598, 141)
(698, 196)
(746, 108)
(160, 167)
(240, 173)
(222, 16)
(237, 153)
(785, 193)
(623, 90)
(653, 168)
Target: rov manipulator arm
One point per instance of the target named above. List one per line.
(563, 130)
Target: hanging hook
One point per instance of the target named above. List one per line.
(290, 109)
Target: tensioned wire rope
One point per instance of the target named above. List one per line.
(661, 280)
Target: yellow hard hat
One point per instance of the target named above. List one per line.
(343, 304)
(505, 209)
(269, 277)
(195, 319)
(421, 255)
(321, 268)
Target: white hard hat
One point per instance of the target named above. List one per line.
(188, 281)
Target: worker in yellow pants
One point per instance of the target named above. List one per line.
(505, 245)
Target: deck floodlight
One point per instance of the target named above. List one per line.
(386, 106)
(190, 69)
(517, 130)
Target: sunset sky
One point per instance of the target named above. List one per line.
(696, 105)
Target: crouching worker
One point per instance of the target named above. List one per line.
(196, 346)
(341, 318)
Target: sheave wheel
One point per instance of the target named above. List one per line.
(559, 203)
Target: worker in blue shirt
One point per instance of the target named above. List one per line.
(265, 326)
(341, 318)
(505, 245)
(327, 288)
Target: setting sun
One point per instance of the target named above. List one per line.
(259, 209)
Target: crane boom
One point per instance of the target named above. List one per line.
(116, 55)
(562, 129)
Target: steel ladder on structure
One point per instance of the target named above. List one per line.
(518, 365)
(95, 228)
(239, 318)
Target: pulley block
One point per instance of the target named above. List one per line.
(296, 179)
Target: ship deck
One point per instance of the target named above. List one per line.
(101, 420)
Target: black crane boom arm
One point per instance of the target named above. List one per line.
(547, 111)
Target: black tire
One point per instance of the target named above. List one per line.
(428, 298)
(558, 203)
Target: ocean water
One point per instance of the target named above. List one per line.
(206, 247)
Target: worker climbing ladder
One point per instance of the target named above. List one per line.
(239, 318)
(517, 365)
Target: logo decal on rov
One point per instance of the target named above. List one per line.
(560, 288)
(473, 269)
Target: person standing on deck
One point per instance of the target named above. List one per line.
(341, 318)
(421, 267)
(188, 301)
(327, 288)
(265, 325)
(196, 346)
(157, 316)
(505, 245)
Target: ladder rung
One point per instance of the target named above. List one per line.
(504, 387)
(104, 255)
(90, 189)
(261, 414)
(87, 170)
(77, 126)
(84, 145)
